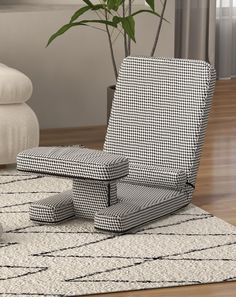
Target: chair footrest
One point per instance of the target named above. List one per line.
(53, 209)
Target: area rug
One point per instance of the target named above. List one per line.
(189, 247)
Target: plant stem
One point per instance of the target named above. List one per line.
(111, 48)
(118, 34)
(120, 31)
(94, 27)
(129, 40)
(158, 29)
(125, 35)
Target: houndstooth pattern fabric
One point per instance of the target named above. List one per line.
(159, 114)
(90, 197)
(53, 209)
(158, 121)
(73, 162)
(156, 176)
(139, 205)
(85, 199)
(93, 189)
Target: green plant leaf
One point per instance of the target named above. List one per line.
(116, 20)
(79, 12)
(114, 4)
(88, 2)
(66, 27)
(61, 31)
(151, 3)
(109, 23)
(82, 10)
(148, 11)
(128, 25)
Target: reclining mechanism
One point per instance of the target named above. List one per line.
(151, 153)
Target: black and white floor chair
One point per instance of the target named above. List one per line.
(151, 153)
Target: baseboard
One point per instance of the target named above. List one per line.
(92, 136)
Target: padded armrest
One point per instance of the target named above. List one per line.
(156, 176)
(73, 162)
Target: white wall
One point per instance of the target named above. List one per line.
(70, 77)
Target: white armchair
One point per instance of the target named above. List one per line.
(19, 128)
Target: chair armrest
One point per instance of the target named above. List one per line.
(156, 176)
(73, 162)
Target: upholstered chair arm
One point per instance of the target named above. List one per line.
(156, 176)
(73, 162)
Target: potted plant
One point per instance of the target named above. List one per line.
(116, 18)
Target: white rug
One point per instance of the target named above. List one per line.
(190, 247)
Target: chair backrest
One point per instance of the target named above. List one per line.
(159, 113)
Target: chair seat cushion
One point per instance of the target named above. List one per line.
(139, 205)
(73, 162)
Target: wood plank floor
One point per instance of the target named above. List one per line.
(216, 182)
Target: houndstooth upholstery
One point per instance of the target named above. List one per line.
(139, 204)
(94, 187)
(91, 196)
(158, 121)
(159, 113)
(53, 209)
(73, 162)
(156, 176)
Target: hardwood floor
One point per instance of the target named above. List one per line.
(216, 182)
(92, 137)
